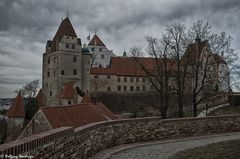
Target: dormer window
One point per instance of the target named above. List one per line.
(67, 45)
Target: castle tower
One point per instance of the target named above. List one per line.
(62, 63)
(101, 54)
(15, 118)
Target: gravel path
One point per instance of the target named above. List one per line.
(167, 149)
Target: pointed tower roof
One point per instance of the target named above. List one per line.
(96, 41)
(65, 28)
(17, 108)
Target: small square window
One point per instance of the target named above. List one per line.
(100, 49)
(96, 76)
(67, 45)
(69, 102)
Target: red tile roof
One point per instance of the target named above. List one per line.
(77, 115)
(68, 91)
(17, 109)
(65, 28)
(96, 41)
(39, 98)
(86, 99)
(127, 66)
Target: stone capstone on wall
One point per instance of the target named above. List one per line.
(84, 142)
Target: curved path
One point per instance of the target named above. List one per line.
(203, 113)
(162, 149)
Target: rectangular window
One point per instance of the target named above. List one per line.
(131, 88)
(125, 88)
(109, 89)
(108, 77)
(96, 76)
(119, 79)
(137, 79)
(92, 49)
(100, 49)
(67, 45)
(48, 60)
(50, 93)
(125, 79)
(143, 88)
(48, 74)
(74, 58)
(131, 79)
(119, 88)
(143, 79)
(73, 46)
(137, 88)
(102, 56)
(54, 73)
(69, 102)
(62, 72)
(75, 72)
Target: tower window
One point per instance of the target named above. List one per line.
(67, 45)
(48, 73)
(73, 46)
(102, 56)
(74, 58)
(125, 88)
(119, 88)
(75, 71)
(62, 72)
(54, 73)
(48, 61)
(50, 93)
(100, 49)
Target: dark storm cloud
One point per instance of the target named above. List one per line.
(26, 25)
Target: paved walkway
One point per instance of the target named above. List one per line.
(162, 149)
(203, 113)
(165, 150)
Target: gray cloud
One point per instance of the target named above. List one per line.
(26, 25)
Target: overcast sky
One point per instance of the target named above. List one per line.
(26, 25)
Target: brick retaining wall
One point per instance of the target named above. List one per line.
(84, 142)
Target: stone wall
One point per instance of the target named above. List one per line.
(84, 142)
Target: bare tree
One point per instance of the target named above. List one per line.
(159, 76)
(29, 90)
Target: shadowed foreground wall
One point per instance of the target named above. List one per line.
(84, 142)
